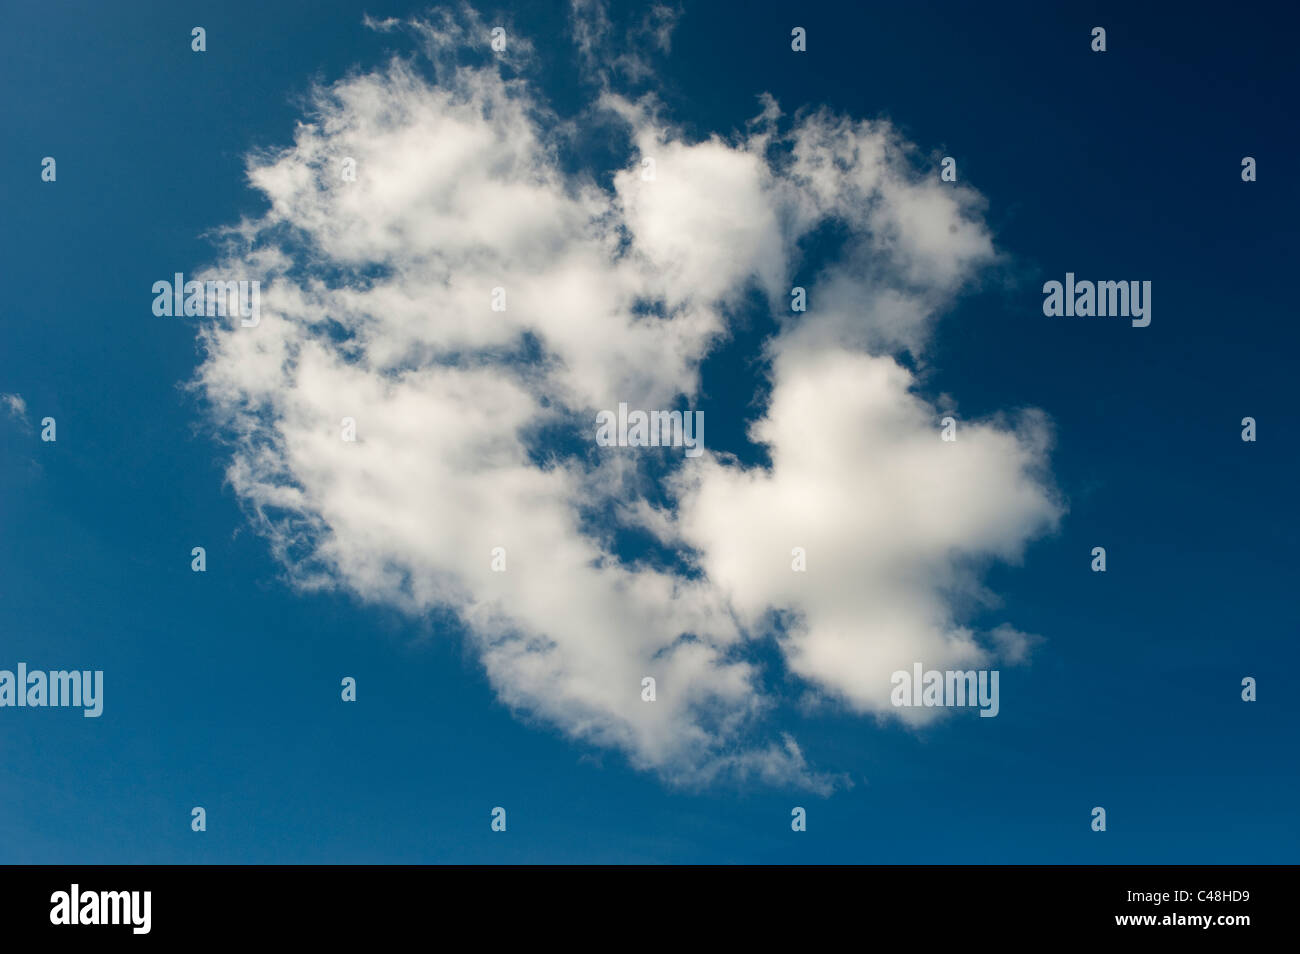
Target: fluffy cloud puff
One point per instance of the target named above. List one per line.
(475, 427)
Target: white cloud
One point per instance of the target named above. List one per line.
(890, 517)
(601, 53)
(15, 406)
(1013, 645)
(376, 306)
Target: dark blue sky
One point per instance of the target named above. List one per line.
(222, 688)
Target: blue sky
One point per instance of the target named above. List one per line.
(221, 689)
